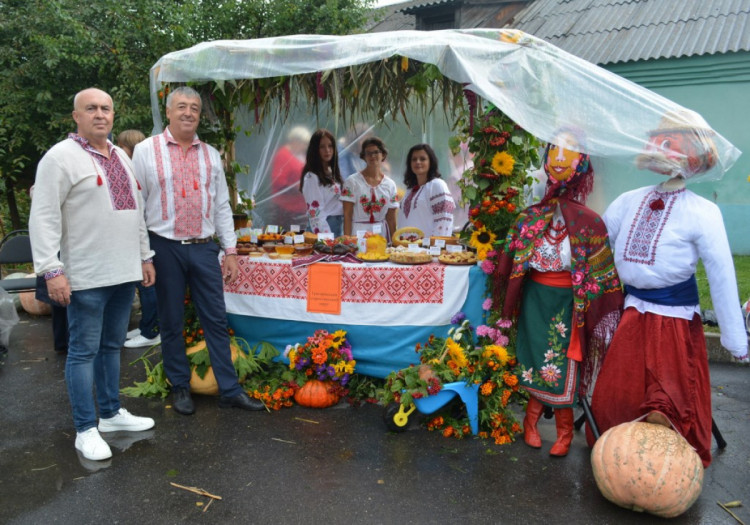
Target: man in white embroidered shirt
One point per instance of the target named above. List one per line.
(88, 209)
(187, 203)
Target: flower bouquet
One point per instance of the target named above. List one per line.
(495, 187)
(322, 367)
(478, 357)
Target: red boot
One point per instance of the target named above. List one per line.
(534, 410)
(564, 424)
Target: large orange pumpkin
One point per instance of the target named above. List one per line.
(208, 385)
(316, 394)
(647, 467)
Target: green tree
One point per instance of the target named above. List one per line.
(51, 49)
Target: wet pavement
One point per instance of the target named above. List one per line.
(337, 465)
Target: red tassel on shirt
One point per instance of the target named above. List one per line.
(138, 185)
(99, 181)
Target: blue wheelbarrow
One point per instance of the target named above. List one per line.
(397, 415)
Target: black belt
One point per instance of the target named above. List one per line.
(196, 241)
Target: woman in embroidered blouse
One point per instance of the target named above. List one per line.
(559, 268)
(320, 184)
(428, 204)
(369, 196)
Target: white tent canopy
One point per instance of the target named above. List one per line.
(538, 85)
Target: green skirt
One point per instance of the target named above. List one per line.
(544, 329)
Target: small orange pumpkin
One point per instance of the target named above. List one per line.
(646, 467)
(208, 385)
(316, 394)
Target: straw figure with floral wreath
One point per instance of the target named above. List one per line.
(558, 279)
(484, 360)
(322, 367)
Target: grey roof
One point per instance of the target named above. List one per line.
(393, 18)
(610, 31)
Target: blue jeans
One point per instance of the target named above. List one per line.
(98, 322)
(336, 223)
(148, 325)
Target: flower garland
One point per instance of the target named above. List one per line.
(495, 187)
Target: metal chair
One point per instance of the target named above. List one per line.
(15, 249)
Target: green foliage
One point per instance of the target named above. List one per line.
(742, 271)
(51, 49)
(156, 379)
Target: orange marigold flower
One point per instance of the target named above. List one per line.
(502, 440)
(487, 388)
(448, 431)
(506, 397)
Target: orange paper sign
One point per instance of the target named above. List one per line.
(324, 288)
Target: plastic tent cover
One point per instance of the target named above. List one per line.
(539, 86)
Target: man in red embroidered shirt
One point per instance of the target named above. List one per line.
(187, 204)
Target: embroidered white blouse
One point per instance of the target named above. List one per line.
(371, 203)
(658, 235)
(552, 256)
(322, 202)
(429, 208)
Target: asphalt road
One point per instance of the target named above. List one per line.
(337, 465)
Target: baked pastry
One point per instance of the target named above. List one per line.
(411, 257)
(458, 258)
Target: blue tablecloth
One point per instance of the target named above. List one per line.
(378, 349)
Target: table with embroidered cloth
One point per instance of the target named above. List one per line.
(386, 308)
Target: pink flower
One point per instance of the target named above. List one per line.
(592, 287)
(504, 323)
(526, 375)
(502, 340)
(487, 304)
(549, 355)
(577, 278)
(561, 329)
(314, 204)
(487, 267)
(483, 330)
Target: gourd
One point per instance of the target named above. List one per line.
(316, 394)
(207, 385)
(646, 467)
(30, 303)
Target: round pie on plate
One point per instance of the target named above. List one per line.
(411, 257)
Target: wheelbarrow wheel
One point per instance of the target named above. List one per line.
(396, 417)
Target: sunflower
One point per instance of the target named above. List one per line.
(482, 240)
(503, 163)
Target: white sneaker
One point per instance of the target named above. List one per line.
(139, 340)
(92, 446)
(135, 332)
(124, 420)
